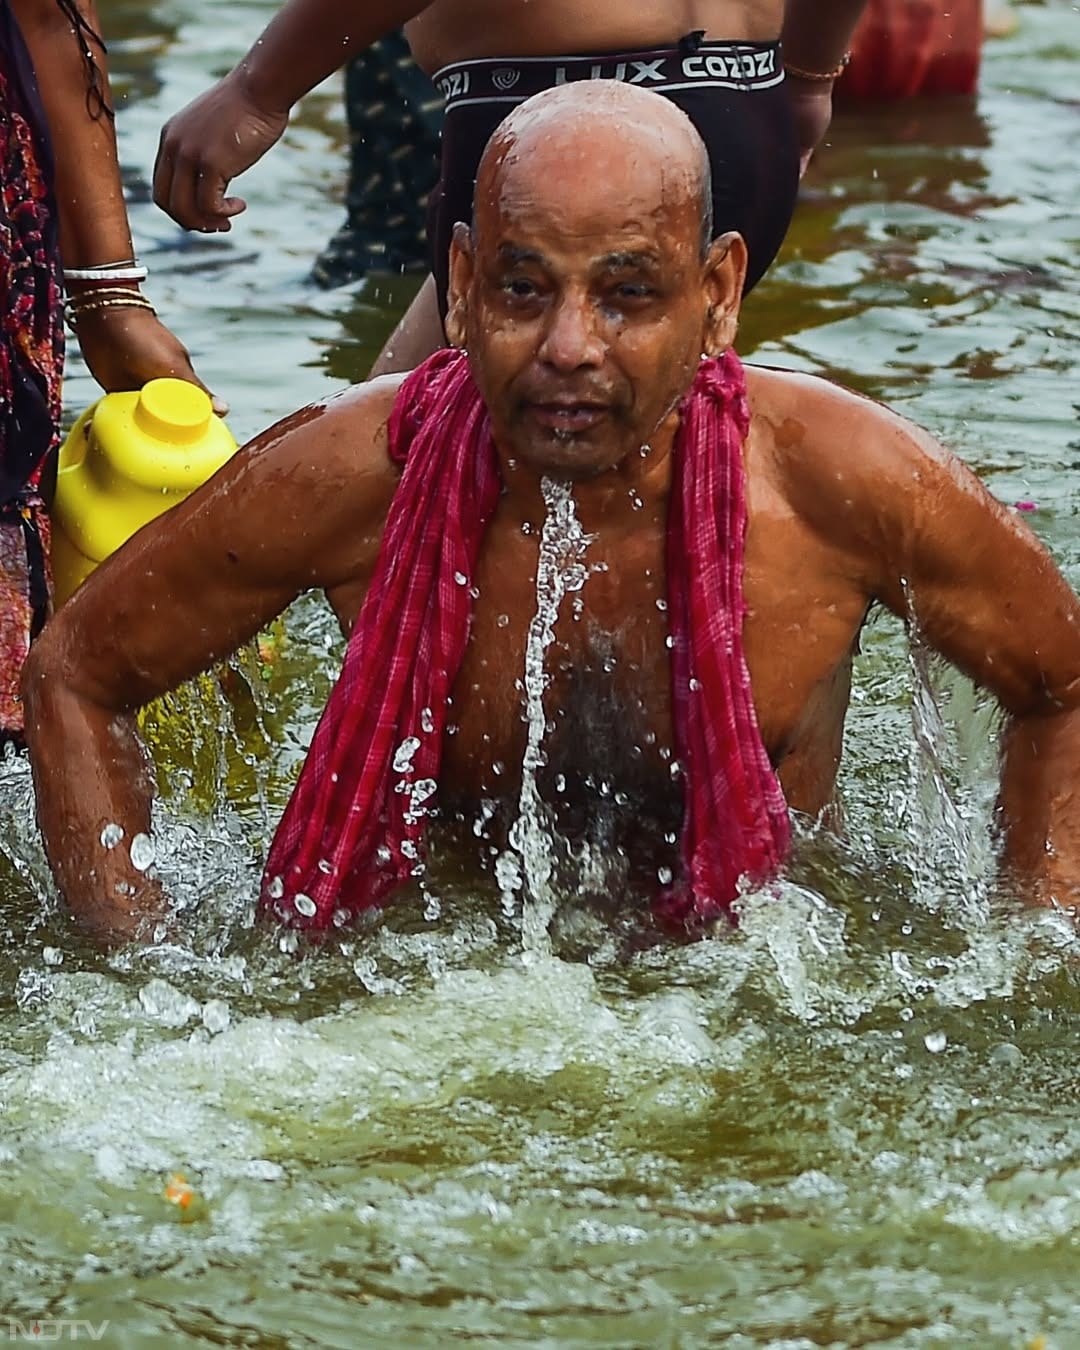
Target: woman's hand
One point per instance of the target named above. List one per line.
(125, 347)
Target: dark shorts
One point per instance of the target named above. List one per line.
(733, 92)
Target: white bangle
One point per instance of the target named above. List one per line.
(126, 272)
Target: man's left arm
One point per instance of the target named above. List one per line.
(816, 38)
(942, 553)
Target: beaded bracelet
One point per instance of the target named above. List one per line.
(821, 76)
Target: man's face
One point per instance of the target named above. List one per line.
(586, 299)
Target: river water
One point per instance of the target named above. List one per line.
(852, 1123)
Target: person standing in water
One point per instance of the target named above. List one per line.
(60, 199)
(394, 114)
(740, 524)
(755, 76)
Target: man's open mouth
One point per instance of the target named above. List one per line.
(568, 418)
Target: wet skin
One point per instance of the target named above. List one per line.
(848, 504)
(459, 30)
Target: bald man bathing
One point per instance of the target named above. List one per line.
(736, 527)
(754, 76)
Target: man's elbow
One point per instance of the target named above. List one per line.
(52, 677)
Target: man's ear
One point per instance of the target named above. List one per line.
(461, 275)
(724, 276)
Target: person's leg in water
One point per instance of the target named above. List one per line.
(395, 117)
(742, 112)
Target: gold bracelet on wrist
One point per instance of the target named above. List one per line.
(819, 76)
(76, 312)
(85, 298)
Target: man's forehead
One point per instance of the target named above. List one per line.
(647, 221)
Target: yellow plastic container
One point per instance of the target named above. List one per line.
(129, 458)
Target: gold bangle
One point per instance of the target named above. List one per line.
(819, 76)
(75, 302)
(136, 302)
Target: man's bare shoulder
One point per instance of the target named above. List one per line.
(838, 456)
(341, 439)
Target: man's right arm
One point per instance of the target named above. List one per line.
(231, 126)
(301, 507)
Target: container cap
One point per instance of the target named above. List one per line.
(173, 411)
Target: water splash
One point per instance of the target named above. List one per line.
(561, 569)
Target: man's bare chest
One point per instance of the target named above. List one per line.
(583, 667)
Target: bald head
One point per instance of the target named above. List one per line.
(589, 134)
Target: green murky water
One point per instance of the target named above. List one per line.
(854, 1123)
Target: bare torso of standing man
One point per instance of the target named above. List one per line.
(462, 30)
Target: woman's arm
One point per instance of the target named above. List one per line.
(123, 346)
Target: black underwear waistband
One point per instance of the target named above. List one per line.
(746, 66)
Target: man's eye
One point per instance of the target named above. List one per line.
(520, 287)
(634, 290)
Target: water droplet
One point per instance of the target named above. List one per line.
(52, 956)
(111, 835)
(325, 866)
(305, 905)
(216, 1016)
(695, 685)
(1006, 1055)
(422, 789)
(275, 888)
(497, 767)
(143, 852)
(670, 837)
(288, 942)
(383, 856)
(669, 642)
(409, 850)
(508, 871)
(661, 605)
(935, 1042)
(340, 918)
(427, 721)
(664, 875)
(403, 755)
(461, 578)
(503, 620)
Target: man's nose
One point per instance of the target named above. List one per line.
(572, 338)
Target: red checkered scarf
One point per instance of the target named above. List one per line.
(354, 827)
